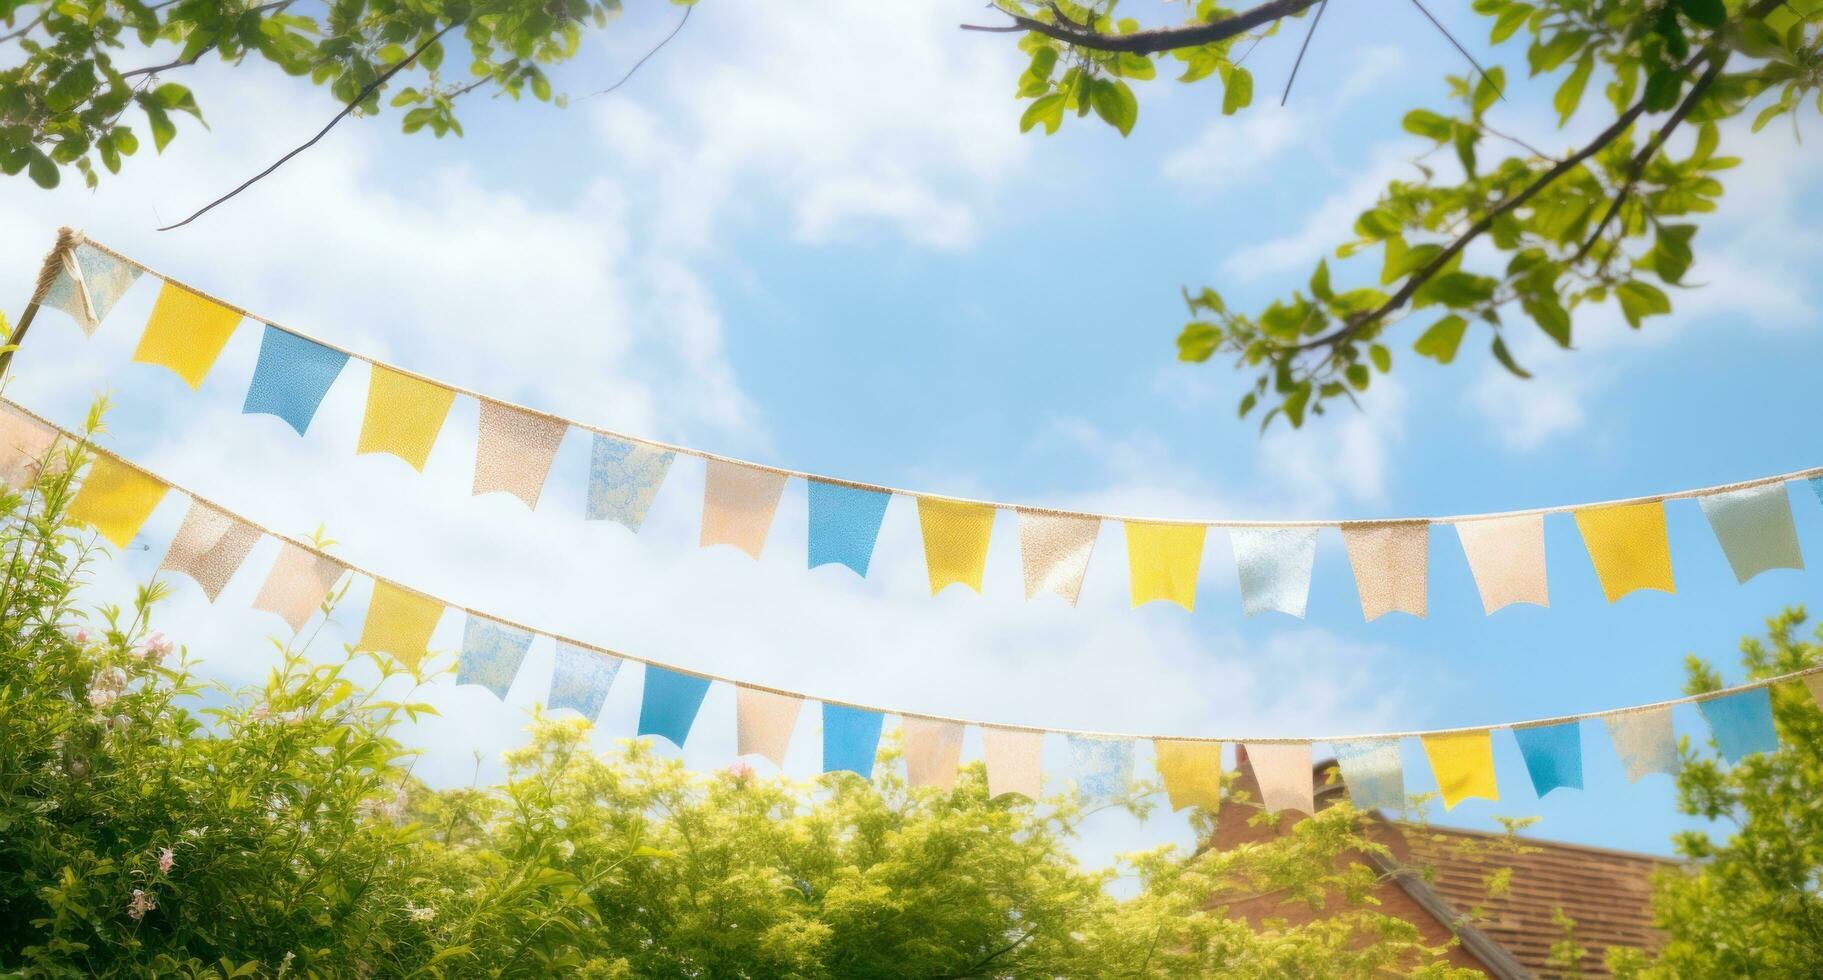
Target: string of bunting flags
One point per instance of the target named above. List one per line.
(116, 497)
(1626, 540)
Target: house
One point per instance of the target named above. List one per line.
(1438, 876)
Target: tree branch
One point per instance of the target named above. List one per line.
(681, 21)
(360, 97)
(1158, 39)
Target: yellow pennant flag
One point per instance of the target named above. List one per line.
(186, 333)
(1192, 772)
(403, 416)
(1163, 561)
(1463, 763)
(1629, 547)
(399, 622)
(116, 499)
(955, 541)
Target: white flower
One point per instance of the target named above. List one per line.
(100, 698)
(120, 723)
(141, 904)
(113, 679)
(417, 914)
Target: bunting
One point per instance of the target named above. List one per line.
(292, 377)
(209, 547)
(514, 450)
(624, 477)
(1463, 763)
(1054, 551)
(669, 702)
(87, 284)
(1191, 772)
(1103, 766)
(955, 541)
(1391, 564)
(1629, 547)
(404, 416)
(399, 622)
(1284, 774)
(1014, 761)
(844, 523)
(1506, 557)
(851, 738)
(1741, 723)
(297, 585)
(581, 679)
(1553, 755)
(1644, 742)
(1275, 565)
(1755, 528)
(933, 750)
(25, 443)
(1163, 561)
(763, 723)
(115, 499)
(1373, 772)
(738, 503)
(186, 333)
(492, 653)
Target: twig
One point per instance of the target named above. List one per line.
(1160, 39)
(681, 21)
(1314, 21)
(360, 97)
(1464, 51)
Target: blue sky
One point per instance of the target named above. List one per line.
(811, 234)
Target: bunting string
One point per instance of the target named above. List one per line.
(1739, 719)
(406, 411)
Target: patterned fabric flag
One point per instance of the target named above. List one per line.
(1755, 528)
(1163, 561)
(1055, 550)
(491, 654)
(1506, 556)
(1373, 771)
(1814, 683)
(623, 479)
(1629, 547)
(1463, 763)
(404, 416)
(764, 721)
(513, 451)
(1191, 771)
(186, 333)
(399, 622)
(1391, 562)
(851, 738)
(668, 705)
(1553, 755)
(209, 547)
(933, 749)
(1644, 742)
(955, 541)
(115, 499)
(297, 584)
(293, 375)
(1741, 723)
(25, 442)
(1103, 766)
(1816, 486)
(738, 504)
(581, 679)
(844, 523)
(1274, 565)
(1284, 774)
(1013, 761)
(104, 279)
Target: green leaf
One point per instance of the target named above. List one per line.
(1115, 104)
(1237, 91)
(1639, 300)
(1442, 339)
(1382, 358)
(1550, 315)
(1708, 13)
(1569, 94)
(1319, 282)
(43, 171)
(1198, 341)
(1295, 404)
(1456, 289)
(1428, 124)
(1662, 89)
(1047, 110)
(1505, 357)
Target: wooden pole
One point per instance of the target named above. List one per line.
(67, 239)
(17, 337)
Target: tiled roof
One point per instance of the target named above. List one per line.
(1607, 893)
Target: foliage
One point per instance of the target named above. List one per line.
(1611, 219)
(66, 102)
(155, 825)
(1749, 905)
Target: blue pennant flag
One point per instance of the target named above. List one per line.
(667, 706)
(851, 736)
(1103, 766)
(580, 680)
(491, 654)
(844, 523)
(1741, 723)
(1553, 755)
(623, 479)
(1373, 771)
(293, 375)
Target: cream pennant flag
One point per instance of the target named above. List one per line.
(738, 504)
(955, 541)
(297, 584)
(1644, 741)
(1163, 561)
(1284, 773)
(1391, 565)
(1629, 547)
(115, 499)
(1274, 565)
(514, 450)
(1506, 556)
(1055, 550)
(186, 333)
(87, 284)
(933, 749)
(399, 622)
(1755, 528)
(210, 545)
(1463, 763)
(1191, 771)
(404, 415)
(1814, 684)
(25, 444)
(764, 722)
(1014, 761)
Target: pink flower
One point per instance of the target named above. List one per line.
(741, 771)
(260, 712)
(81, 636)
(100, 698)
(156, 646)
(166, 858)
(141, 904)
